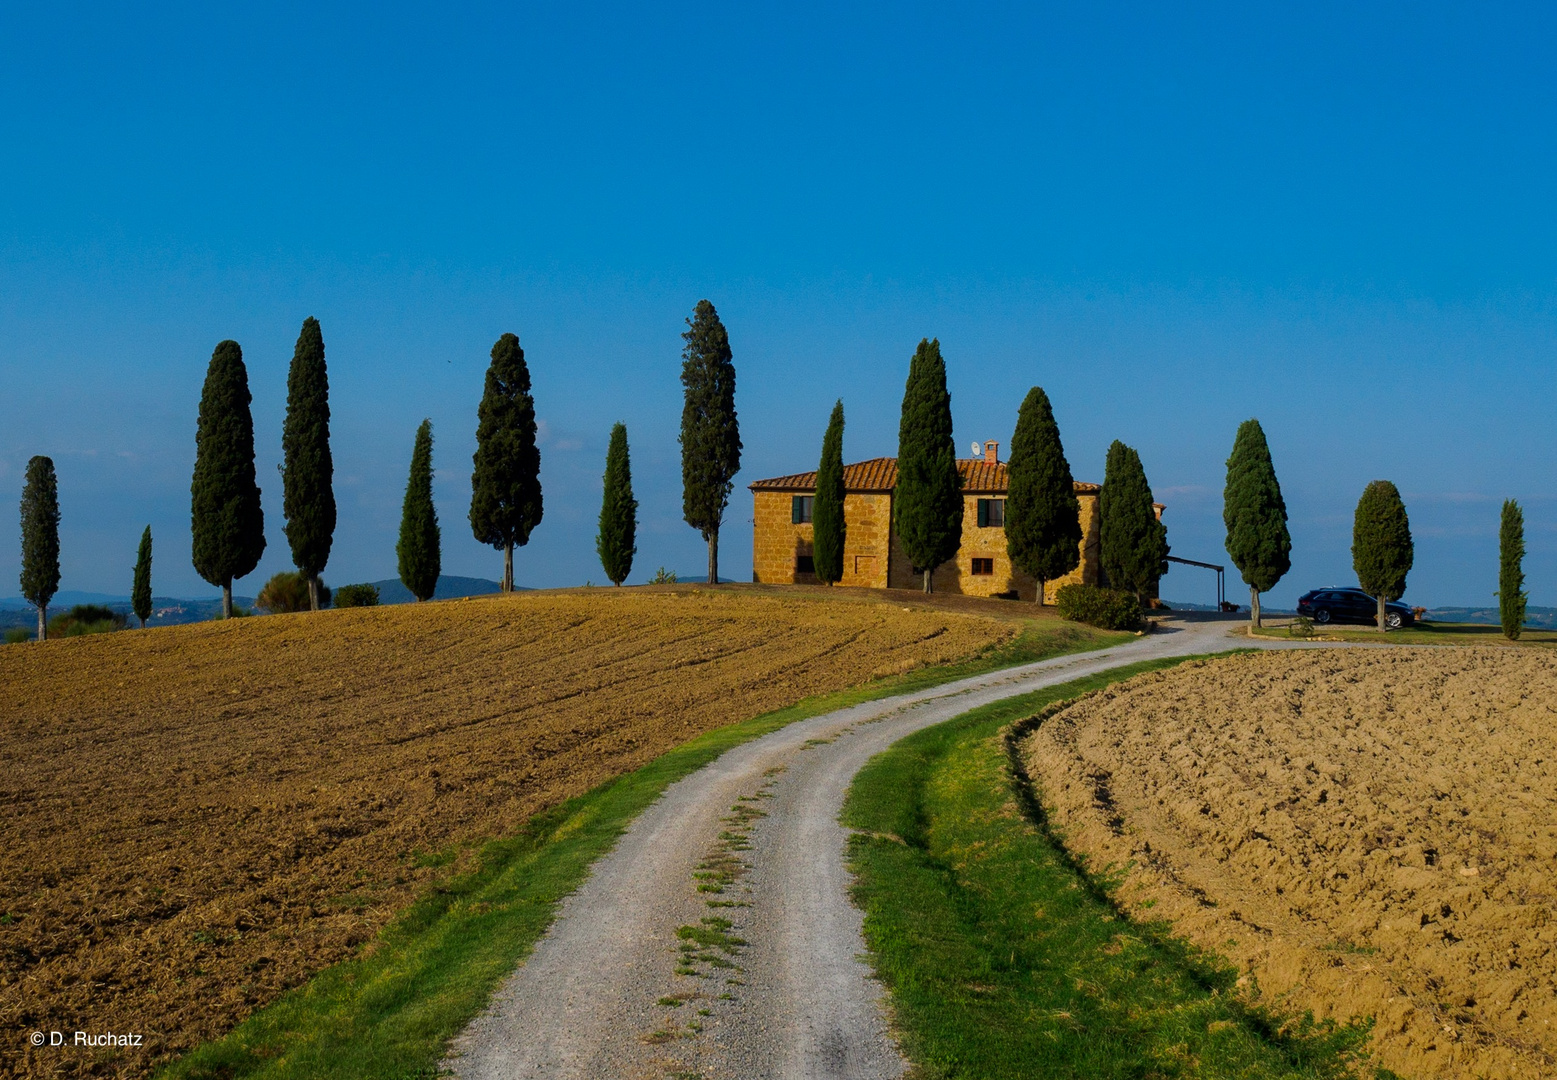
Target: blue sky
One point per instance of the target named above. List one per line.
(1339, 219)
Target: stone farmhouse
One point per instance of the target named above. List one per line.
(873, 556)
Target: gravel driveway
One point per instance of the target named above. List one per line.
(718, 939)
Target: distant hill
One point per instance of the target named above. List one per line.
(1536, 618)
(390, 591)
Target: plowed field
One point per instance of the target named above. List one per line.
(194, 819)
(1367, 833)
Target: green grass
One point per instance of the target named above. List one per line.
(389, 1013)
(1426, 633)
(1007, 960)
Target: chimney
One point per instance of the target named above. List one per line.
(992, 453)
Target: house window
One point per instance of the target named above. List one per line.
(805, 564)
(982, 567)
(992, 512)
(800, 508)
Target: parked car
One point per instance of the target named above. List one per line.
(1352, 606)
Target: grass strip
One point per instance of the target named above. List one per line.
(1423, 633)
(389, 1013)
(1006, 959)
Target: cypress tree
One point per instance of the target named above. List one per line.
(40, 538)
(1043, 515)
(710, 433)
(829, 530)
(927, 505)
(1382, 552)
(228, 524)
(505, 488)
(308, 499)
(1255, 515)
(618, 536)
(140, 591)
(1133, 544)
(418, 551)
(1511, 574)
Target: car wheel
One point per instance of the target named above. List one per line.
(1392, 620)
(1322, 616)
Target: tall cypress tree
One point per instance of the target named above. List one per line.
(1255, 515)
(710, 433)
(1382, 551)
(418, 551)
(829, 530)
(1133, 544)
(308, 496)
(927, 505)
(505, 488)
(140, 590)
(227, 522)
(617, 541)
(1043, 515)
(40, 538)
(1511, 573)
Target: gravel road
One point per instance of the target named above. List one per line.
(717, 939)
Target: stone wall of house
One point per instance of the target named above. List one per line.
(777, 542)
(874, 556)
(957, 576)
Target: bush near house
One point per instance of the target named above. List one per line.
(1107, 609)
(356, 596)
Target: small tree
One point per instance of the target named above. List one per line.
(1511, 573)
(1381, 544)
(829, 530)
(419, 554)
(1133, 544)
(505, 488)
(1043, 515)
(308, 499)
(227, 522)
(617, 541)
(710, 433)
(40, 539)
(927, 504)
(1255, 515)
(140, 591)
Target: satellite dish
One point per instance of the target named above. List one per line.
(976, 450)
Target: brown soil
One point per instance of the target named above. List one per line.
(1366, 833)
(195, 819)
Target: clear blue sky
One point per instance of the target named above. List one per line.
(1339, 219)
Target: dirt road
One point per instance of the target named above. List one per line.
(718, 938)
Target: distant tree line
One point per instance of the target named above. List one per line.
(1042, 513)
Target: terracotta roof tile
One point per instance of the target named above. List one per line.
(880, 474)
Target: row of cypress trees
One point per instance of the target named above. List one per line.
(1042, 514)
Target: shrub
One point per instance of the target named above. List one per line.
(1107, 609)
(1301, 627)
(356, 596)
(86, 619)
(663, 577)
(288, 591)
(17, 634)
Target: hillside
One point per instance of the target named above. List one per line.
(198, 817)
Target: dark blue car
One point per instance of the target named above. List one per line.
(1352, 606)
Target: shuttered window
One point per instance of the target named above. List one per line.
(800, 508)
(992, 512)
